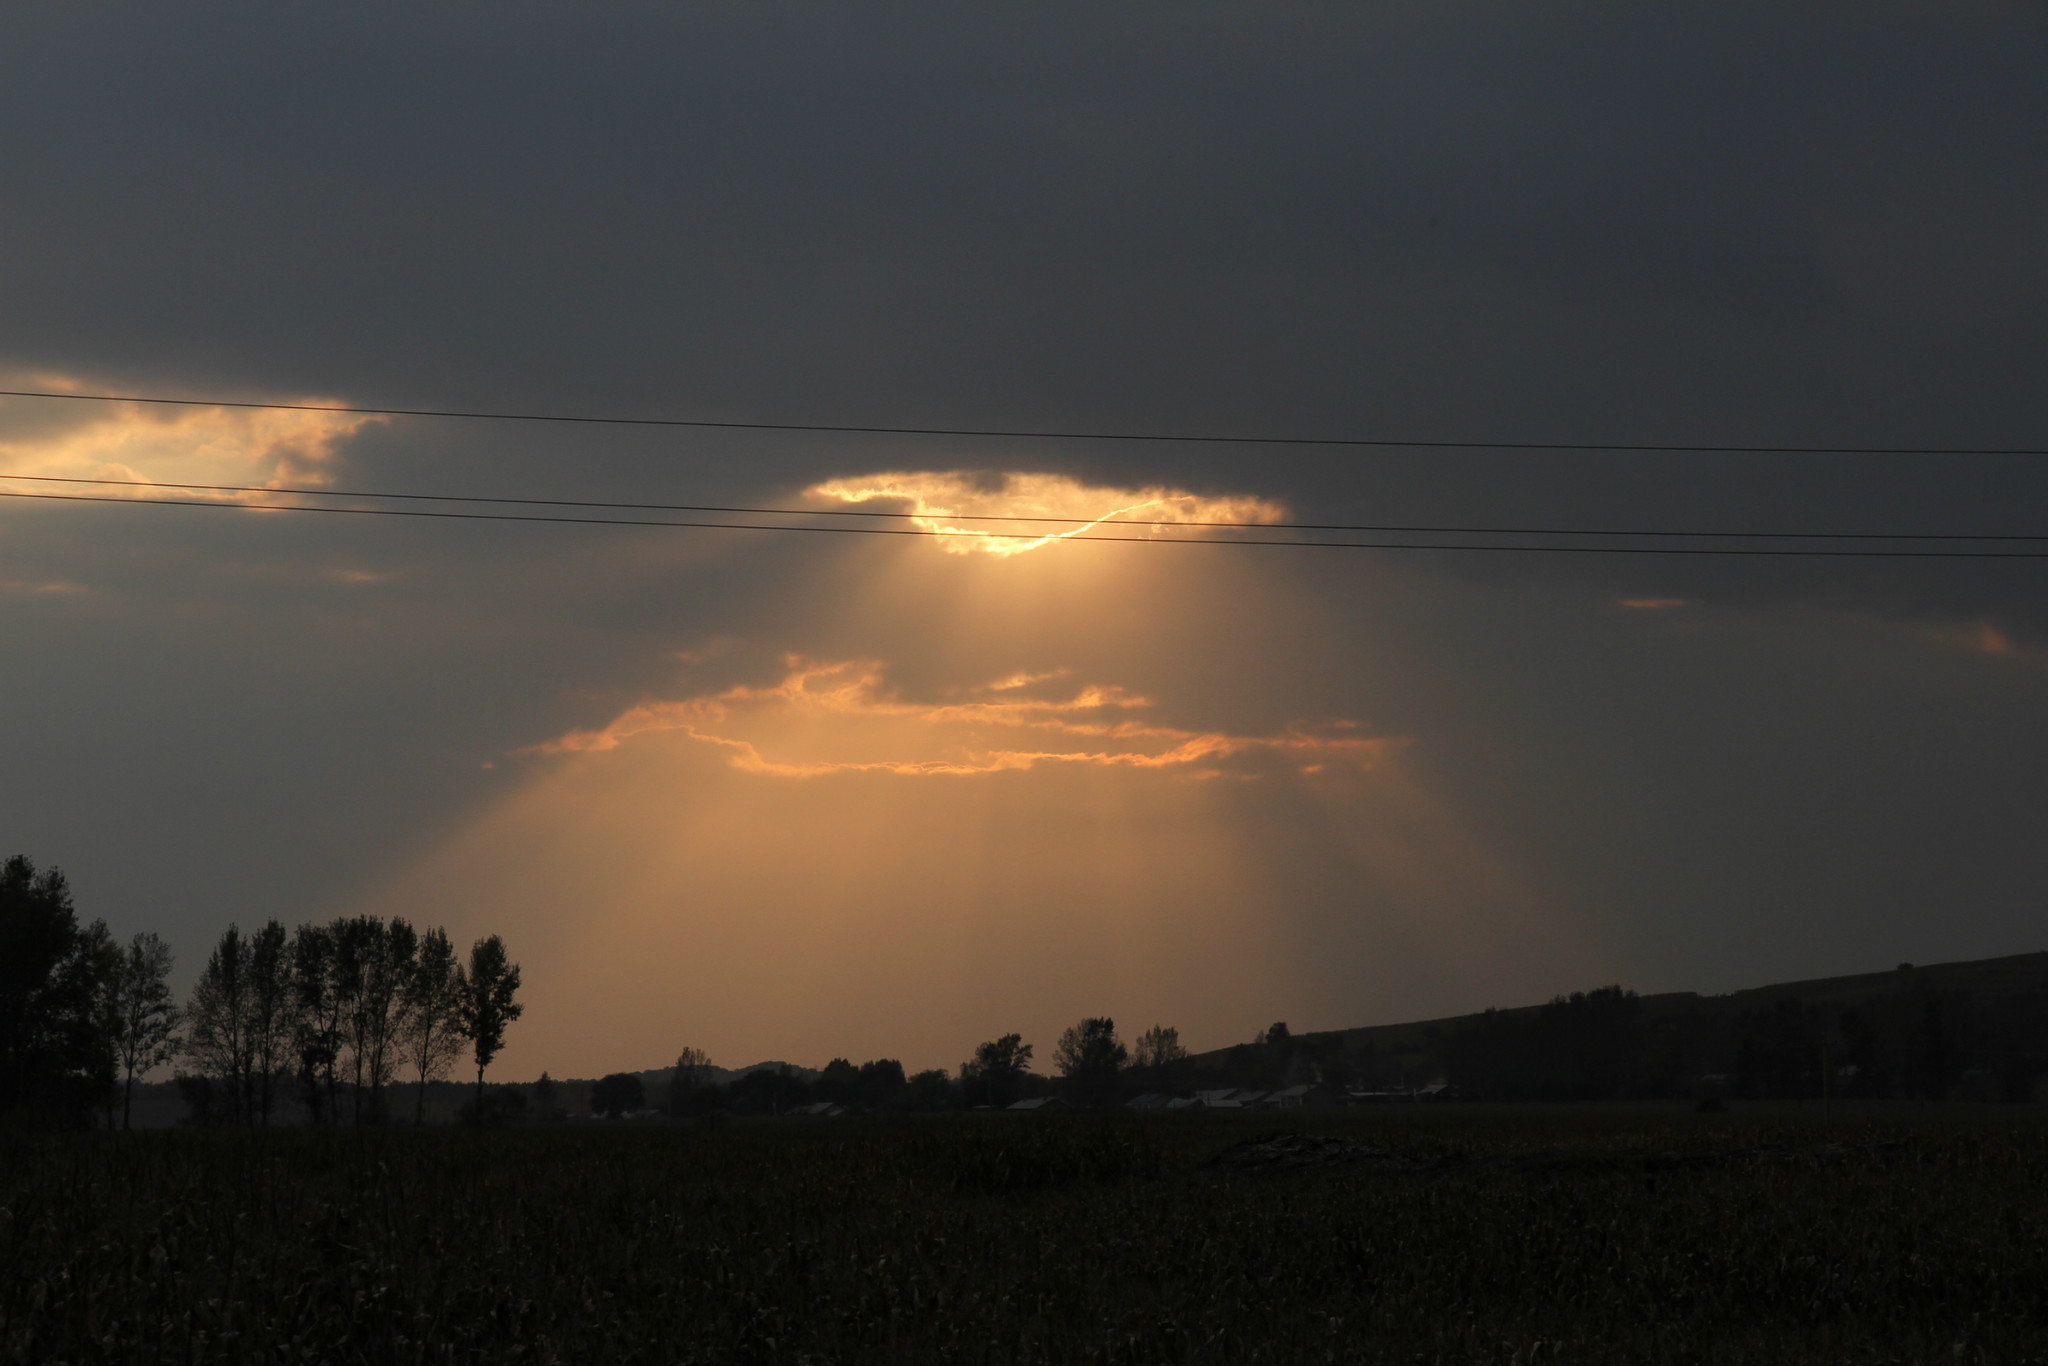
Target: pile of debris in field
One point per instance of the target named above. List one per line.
(1292, 1151)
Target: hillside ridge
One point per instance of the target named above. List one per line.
(2008, 972)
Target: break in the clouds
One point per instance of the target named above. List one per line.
(958, 507)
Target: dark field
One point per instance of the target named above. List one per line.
(1508, 1235)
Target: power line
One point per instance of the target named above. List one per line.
(1111, 520)
(1776, 551)
(1008, 433)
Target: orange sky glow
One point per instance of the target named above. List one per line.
(990, 793)
(151, 444)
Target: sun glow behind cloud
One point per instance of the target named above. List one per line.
(165, 445)
(971, 793)
(942, 502)
(823, 718)
(817, 864)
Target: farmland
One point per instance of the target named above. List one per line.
(1463, 1233)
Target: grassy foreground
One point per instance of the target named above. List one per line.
(1509, 1235)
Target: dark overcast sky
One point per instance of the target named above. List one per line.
(1798, 225)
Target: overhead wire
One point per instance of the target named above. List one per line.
(1081, 536)
(1015, 433)
(1111, 519)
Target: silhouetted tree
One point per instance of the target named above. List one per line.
(103, 962)
(317, 1011)
(358, 943)
(1159, 1061)
(688, 1085)
(1089, 1057)
(930, 1090)
(768, 1090)
(994, 1076)
(617, 1094)
(147, 1014)
(880, 1084)
(272, 1018)
(546, 1104)
(38, 930)
(488, 1005)
(387, 967)
(838, 1082)
(1158, 1046)
(430, 1014)
(56, 1060)
(347, 938)
(218, 1035)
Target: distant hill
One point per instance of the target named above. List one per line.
(1966, 1030)
(1982, 976)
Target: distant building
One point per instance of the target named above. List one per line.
(1151, 1100)
(1040, 1105)
(1288, 1098)
(1229, 1098)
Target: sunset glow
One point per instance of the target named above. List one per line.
(830, 851)
(843, 717)
(942, 502)
(166, 445)
(603, 477)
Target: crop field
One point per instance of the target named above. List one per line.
(1459, 1234)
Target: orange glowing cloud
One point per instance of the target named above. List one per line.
(1655, 604)
(1046, 508)
(1992, 641)
(824, 718)
(156, 445)
(1984, 638)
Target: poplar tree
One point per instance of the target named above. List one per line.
(271, 1012)
(316, 1028)
(388, 963)
(488, 1007)
(356, 940)
(430, 1013)
(219, 1037)
(146, 1013)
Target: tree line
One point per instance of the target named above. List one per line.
(1093, 1069)
(325, 1017)
(1917, 1040)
